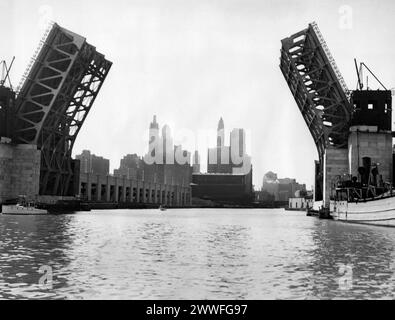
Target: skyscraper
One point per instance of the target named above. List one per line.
(229, 171)
(154, 139)
(219, 157)
(196, 162)
(241, 162)
(171, 164)
(168, 147)
(237, 143)
(221, 133)
(154, 128)
(229, 159)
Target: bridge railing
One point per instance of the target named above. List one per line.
(331, 59)
(34, 57)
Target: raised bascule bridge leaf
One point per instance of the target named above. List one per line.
(54, 98)
(318, 88)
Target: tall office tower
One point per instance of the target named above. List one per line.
(241, 162)
(154, 139)
(154, 128)
(196, 162)
(218, 160)
(237, 143)
(181, 156)
(221, 133)
(168, 147)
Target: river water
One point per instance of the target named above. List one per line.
(194, 254)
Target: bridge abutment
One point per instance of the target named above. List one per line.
(335, 165)
(19, 171)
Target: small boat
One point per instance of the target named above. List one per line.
(322, 213)
(161, 208)
(22, 208)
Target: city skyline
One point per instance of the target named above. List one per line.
(160, 142)
(156, 137)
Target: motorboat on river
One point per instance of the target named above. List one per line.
(23, 207)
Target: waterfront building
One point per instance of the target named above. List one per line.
(281, 189)
(155, 178)
(136, 182)
(222, 188)
(90, 163)
(131, 167)
(301, 201)
(264, 196)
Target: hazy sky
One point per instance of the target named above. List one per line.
(191, 62)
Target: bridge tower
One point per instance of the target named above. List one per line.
(323, 100)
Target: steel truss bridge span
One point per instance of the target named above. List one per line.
(56, 94)
(318, 88)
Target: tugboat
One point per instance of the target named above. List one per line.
(23, 207)
(367, 202)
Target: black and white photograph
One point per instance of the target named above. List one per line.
(211, 153)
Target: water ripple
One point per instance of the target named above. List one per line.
(194, 254)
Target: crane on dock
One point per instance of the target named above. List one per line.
(5, 72)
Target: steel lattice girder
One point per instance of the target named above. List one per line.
(54, 102)
(317, 87)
